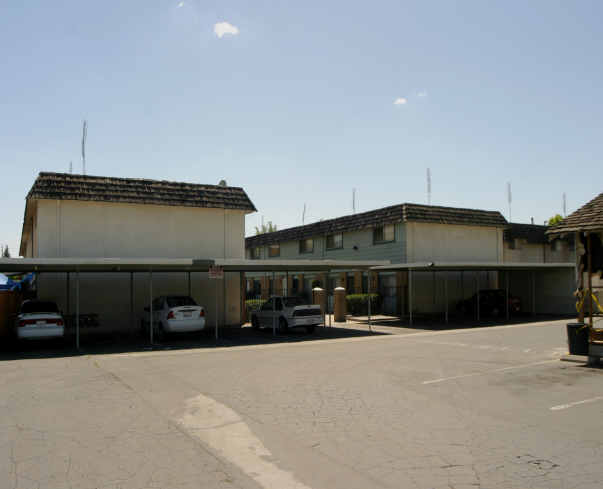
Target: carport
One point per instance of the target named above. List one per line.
(273, 266)
(508, 269)
(70, 266)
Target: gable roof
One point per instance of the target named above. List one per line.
(386, 215)
(588, 218)
(66, 186)
(532, 233)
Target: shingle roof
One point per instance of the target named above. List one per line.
(588, 218)
(65, 186)
(378, 217)
(532, 233)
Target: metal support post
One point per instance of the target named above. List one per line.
(77, 310)
(462, 285)
(507, 293)
(151, 306)
(189, 284)
(216, 310)
(533, 293)
(224, 299)
(410, 296)
(446, 296)
(273, 307)
(477, 294)
(67, 294)
(132, 300)
(331, 312)
(369, 304)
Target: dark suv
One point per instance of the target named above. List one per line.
(491, 303)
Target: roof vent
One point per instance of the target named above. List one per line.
(222, 183)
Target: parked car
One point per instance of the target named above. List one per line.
(491, 303)
(287, 312)
(39, 320)
(174, 314)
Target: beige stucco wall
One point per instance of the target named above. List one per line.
(558, 252)
(446, 242)
(99, 229)
(112, 230)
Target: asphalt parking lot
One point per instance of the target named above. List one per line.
(468, 408)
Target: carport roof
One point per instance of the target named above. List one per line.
(236, 265)
(471, 266)
(175, 265)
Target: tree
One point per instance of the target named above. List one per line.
(5, 252)
(557, 218)
(265, 228)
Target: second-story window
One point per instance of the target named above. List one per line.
(334, 241)
(256, 253)
(306, 245)
(274, 250)
(383, 234)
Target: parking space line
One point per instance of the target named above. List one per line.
(498, 370)
(561, 407)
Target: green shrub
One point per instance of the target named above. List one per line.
(254, 304)
(357, 304)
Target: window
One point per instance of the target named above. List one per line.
(334, 241)
(383, 234)
(306, 245)
(295, 301)
(256, 253)
(274, 250)
(33, 307)
(180, 301)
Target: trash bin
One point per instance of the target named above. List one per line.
(577, 338)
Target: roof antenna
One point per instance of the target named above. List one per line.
(71, 167)
(84, 135)
(564, 206)
(353, 201)
(428, 186)
(304, 215)
(509, 198)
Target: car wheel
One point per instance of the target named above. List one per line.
(310, 329)
(282, 325)
(255, 323)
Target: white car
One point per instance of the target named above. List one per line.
(175, 314)
(39, 320)
(287, 312)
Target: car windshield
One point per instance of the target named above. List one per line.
(31, 307)
(180, 301)
(294, 301)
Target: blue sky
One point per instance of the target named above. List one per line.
(295, 101)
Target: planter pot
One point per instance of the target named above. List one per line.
(577, 338)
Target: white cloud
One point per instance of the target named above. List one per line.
(400, 101)
(180, 5)
(222, 28)
(422, 93)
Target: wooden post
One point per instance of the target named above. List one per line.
(590, 281)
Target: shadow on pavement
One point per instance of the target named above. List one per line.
(228, 337)
(426, 323)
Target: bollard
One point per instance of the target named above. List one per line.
(318, 298)
(340, 305)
